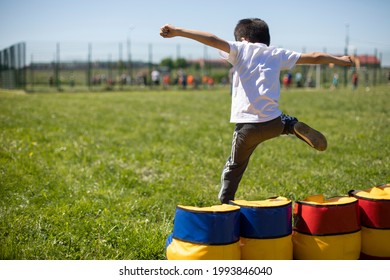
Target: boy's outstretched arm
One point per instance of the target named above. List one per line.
(169, 31)
(325, 58)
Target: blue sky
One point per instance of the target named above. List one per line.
(309, 25)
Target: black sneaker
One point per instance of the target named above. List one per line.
(311, 136)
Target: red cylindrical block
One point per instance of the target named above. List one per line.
(326, 219)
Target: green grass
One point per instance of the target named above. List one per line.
(98, 175)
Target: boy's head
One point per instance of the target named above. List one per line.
(253, 30)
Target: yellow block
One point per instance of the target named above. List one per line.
(379, 192)
(269, 202)
(376, 242)
(180, 250)
(320, 199)
(330, 247)
(267, 249)
(223, 208)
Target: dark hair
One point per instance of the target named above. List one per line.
(253, 30)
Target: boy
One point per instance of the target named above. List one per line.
(256, 92)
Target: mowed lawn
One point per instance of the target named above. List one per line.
(98, 175)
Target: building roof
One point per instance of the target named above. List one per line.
(368, 60)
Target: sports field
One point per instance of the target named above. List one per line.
(98, 175)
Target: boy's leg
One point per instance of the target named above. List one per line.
(246, 138)
(235, 167)
(230, 179)
(289, 123)
(304, 132)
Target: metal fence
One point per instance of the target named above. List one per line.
(13, 66)
(117, 66)
(75, 66)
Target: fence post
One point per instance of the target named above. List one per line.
(375, 66)
(57, 68)
(32, 72)
(150, 62)
(89, 66)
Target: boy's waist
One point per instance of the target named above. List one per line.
(245, 117)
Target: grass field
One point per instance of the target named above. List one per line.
(98, 175)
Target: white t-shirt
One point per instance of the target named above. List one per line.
(256, 85)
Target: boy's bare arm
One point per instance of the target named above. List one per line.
(169, 31)
(324, 58)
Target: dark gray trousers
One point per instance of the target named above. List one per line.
(246, 137)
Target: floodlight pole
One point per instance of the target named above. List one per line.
(130, 63)
(178, 54)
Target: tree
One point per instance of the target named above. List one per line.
(167, 62)
(180, 63)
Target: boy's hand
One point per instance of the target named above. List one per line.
(167, 31)
(347, 60)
